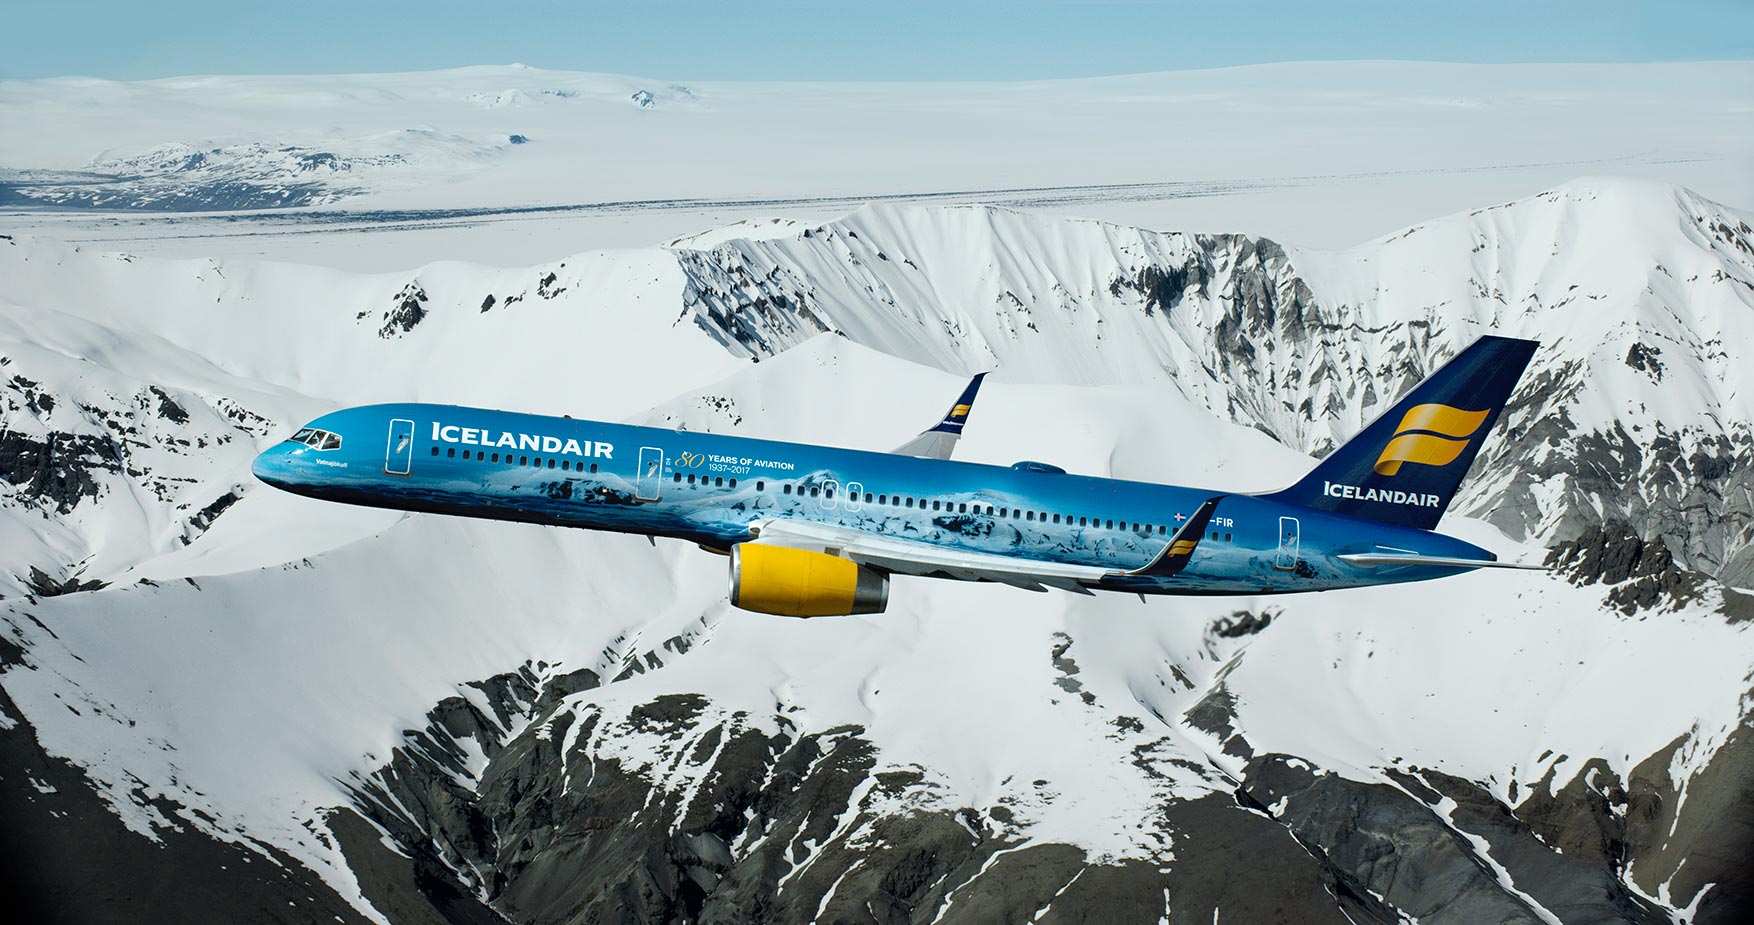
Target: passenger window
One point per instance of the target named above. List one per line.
(910, 501)
(1214, 534)
(1160, 530)
(451, 453)
(935, 505)
(466, 454)
(761, 486)
(962, 508)
(788, 485)
(1226, 537)
(733, 483)
(678, 478)
(815, 491)
(1001, 512)
(691, 478)
(826, 493)
(1030, 516)
(593, 468)
(1111, 525)
(895, 501)
(565, 465)
(496, 457)
(989, 510)
(1056, 518)
(522, 460)
(882, 499)
(719, 482)
(867, 497)
(551, 463)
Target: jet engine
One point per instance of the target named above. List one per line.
(802, 583)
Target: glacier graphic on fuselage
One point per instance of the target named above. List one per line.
(921, 514)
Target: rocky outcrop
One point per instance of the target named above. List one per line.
(407, 309)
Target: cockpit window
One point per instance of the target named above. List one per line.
(317, 439)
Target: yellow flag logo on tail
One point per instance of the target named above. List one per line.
(1429, 435)
(959, 411)
(1182, 547)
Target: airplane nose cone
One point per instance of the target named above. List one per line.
(271, 464)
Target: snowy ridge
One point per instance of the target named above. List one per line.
(495, 696)
(1638, 293)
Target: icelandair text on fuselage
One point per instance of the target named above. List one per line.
(535, 443)
(1380, 494)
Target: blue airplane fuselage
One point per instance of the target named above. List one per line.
(711, 488)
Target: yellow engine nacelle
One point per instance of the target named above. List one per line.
(802, 583)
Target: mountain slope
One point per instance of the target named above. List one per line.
(441, 720)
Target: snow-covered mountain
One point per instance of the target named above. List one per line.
(379, 717)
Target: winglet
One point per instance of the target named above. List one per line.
(1174, 557)
(939, 441)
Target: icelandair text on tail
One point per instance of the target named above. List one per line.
(1380, 494)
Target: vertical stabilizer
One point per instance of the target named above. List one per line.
(1405, 466)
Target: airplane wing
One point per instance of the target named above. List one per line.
(911, 557)
(939, 441)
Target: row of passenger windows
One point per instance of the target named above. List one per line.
(952, 507)
(535, 462)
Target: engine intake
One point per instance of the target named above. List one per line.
(801, 583)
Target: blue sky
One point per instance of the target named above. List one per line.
(895, 40)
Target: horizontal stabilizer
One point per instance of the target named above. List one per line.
(1174, 557)
(1376, 560)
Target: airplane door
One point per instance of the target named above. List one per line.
(651, 473)
(399, 451)
(1288, 544)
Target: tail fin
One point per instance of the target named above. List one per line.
(1404, 467)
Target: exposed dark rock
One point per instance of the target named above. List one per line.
(42, 585)
(1574, 887)
(408, 308)
(65, 857)
(1389, 843)
(205, 517)
(59, 470)
(168, 407)
(1646, 359)
(1243, 623)
(1644, 574)
(738, 825)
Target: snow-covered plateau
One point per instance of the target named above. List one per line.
(219, 702)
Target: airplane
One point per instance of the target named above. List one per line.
(819, 531)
